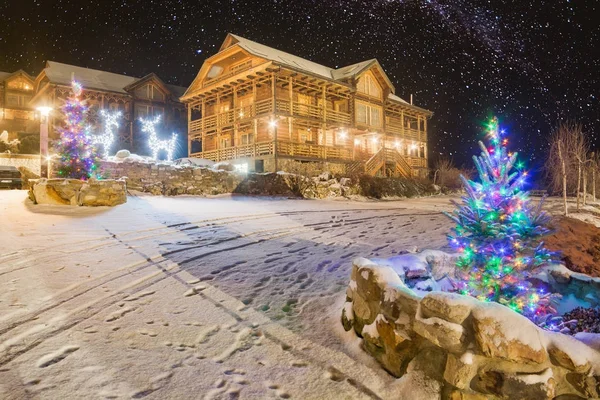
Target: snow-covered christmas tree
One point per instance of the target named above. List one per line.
(498, 232)
(77, 155)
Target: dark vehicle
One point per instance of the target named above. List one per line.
(10, 177)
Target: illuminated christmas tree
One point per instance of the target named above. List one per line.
(498, 232)
(74, 147)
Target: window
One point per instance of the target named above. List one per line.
(150, 92)
(247, 138)
(368, 115)
(145, 111)
(19, 84)
(113, 107)
(17, 100)
(304, 135)
(225, 142)
(367, 84)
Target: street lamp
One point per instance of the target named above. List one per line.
(44, 113)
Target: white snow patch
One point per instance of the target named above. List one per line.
(467, 358)
(532, 379)
(371, 329)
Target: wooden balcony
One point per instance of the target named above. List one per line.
(284, 148)
(265, 107)
(405, 133)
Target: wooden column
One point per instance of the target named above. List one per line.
(189, 113)
(203, 111)
(235, 118)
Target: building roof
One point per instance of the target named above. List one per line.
(352, 70)
(60, 74)
(281, 57)
(4, 75)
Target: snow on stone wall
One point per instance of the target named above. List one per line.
(75, 192)
(477, 350)
(29, 161)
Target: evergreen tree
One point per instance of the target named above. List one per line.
(498, 232)
(77, 153)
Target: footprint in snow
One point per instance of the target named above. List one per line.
(57, 356)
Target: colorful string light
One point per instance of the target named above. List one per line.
(77, 156)
(498, 232)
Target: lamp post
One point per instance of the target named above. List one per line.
(44, 168)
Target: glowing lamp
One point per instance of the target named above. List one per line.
(44, 110)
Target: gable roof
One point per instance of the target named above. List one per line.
(353, 69)
(89, 78)
(60, 74)
(277, 56)
(6, 75)
(299, 63)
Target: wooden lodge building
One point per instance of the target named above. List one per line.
(16, 90)
(262, 107)
(134, 97)
(21, 94)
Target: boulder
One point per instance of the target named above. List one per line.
(441, 333)
(451, 307)
(459, 371)
(500, 332)
(122, 154)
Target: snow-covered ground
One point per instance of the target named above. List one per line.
(226, 297)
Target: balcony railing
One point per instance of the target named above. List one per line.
(284, 148)
(264, 107)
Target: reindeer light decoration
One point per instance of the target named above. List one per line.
(149, 127)
(107, 138)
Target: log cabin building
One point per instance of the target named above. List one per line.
(260, 108)
(134, 97)
(16, 116)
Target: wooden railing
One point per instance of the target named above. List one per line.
(263, 107)
(232, 153)
(313, 151)
(406, 133)
(284, 148)
(384, 155)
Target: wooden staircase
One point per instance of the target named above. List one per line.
(394, 163)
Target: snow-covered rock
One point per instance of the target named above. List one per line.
(122, 154)
(489, 349)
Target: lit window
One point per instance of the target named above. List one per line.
(368, 115)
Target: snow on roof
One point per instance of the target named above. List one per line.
(95, 79)
(351, 70)
(89, 78)
(4, 75)
(177, 91)
(278, 56)
(396, 98)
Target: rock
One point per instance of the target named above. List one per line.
(345, 181)
(587, 385)
(488, 382)
(451, 307)
(529, 386)
(502, 333)
(460, 371)
(123, 154)
(559, 355)
(460, 395)
(325, 176)
(347, 316)
(441, 333)
(75, 192)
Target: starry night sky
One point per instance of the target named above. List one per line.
(531, 63)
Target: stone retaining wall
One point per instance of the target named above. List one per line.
(75, 192)
(164, 179)
(475, 350)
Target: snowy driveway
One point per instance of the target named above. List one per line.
(227, 297)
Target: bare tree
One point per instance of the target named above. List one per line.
(566, 159)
